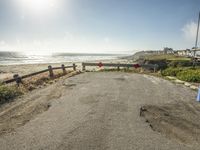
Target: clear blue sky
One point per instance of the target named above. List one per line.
(97, 25)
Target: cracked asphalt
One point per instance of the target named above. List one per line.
(100, 111)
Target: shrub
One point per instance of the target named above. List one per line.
(171, 71)
(180, 63)
(189, 75)
(8, 93)
(40, 81)
(162, 63)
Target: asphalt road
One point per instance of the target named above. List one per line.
(98, 111)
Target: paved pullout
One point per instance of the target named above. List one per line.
(97, 111)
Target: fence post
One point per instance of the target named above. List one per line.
(118, 68)
(63, 68)
(50, 71)
(74, 67)
(155, 68)
(17, 78)
(83, 67)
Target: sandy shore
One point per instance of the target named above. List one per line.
(7, 71)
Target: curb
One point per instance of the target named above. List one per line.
(187, 84)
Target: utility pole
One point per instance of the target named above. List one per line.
(197, 36)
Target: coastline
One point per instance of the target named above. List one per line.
(7, 71)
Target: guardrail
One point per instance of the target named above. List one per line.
(18, 79)
(153, 67)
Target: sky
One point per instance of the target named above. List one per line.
(97, 26)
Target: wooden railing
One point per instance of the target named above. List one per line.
(153, 67)
(18, 79)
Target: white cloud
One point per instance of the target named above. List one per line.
(189, 31)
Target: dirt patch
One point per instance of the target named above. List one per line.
(25, 108)
(10, 121)
(179, 121)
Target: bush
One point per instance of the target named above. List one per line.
(180, 63)
(8, 93)
(189, 75)
(162, 63)
(185, 74)
(171, 71)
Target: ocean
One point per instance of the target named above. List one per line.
(15, 58)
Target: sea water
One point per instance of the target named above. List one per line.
(13, 58)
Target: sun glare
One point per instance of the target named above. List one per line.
(38, 6)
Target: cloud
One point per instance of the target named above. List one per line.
(189, 31)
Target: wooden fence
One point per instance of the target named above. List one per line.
(18, 79)
(145, 66)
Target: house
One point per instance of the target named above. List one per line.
(168, 50)
(196, 51)
(186, 52)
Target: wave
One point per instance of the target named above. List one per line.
(13, 58)
(12, 55)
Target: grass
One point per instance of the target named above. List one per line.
(40, 80)
(168, 57)
(177, 66)
(168, 60)
(172, 65)
(171, 71)
(8, 93)
(188, 74)
(180, 63)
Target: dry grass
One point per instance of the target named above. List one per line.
(11, 91)
(8, 93)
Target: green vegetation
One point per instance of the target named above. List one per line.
(167, 57)
(168, 60)
(188, 74)
(180, 63)
(177, 66)
(8, 93)
(171, 71)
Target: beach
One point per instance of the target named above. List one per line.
(7, 71)
(25, 63)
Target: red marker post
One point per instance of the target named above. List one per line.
(136, 66)
(100, 64)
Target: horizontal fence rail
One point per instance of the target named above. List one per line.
(145, 66)
(18, 79)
